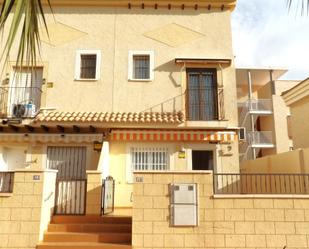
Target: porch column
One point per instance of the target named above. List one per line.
(94, 186)
(3, 166)
(104, 160)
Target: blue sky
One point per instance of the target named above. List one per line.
(266, 34)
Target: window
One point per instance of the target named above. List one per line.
(88, 65)
(202, 94)
(141, 65)
(147, 158)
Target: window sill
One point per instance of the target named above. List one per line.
(140, 80)
(87, 80)
(6, 194)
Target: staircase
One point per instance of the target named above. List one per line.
(88, 232)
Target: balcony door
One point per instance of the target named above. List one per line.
(25, 88)
(202, 94)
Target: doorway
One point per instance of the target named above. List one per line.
(202, 160)
(71, 184)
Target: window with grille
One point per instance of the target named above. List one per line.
(149, 159)
(141, 66)
(88, 64)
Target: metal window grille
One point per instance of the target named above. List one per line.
(141, 66)
(149, 158)
(88, 66)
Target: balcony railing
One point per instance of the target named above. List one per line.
(21, 102)
(6, 182)
(255, 106)
(208, 106)
(199, 111)
(261, 184)
(260, 138)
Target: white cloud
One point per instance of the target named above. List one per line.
(265, 34)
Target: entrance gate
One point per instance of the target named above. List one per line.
(108, 193)
(71, 183)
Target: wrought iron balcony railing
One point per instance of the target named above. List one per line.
(208, 106)
(19, 102)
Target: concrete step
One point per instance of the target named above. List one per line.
(90, 228)
(88, 237)
(81, 245)
(63, 219)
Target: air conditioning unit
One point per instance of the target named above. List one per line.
(23, 110)
(242, 133)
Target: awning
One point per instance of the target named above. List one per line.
(173, 136)
(202, 61)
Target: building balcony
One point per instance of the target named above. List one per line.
(19, 102)
(255, 107)
(260, 139)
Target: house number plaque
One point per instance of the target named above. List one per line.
(36, 178)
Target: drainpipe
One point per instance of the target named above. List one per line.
(251, 115)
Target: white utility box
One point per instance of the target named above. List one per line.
(184, 206)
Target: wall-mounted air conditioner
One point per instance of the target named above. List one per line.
(24, 110)
(242, 133)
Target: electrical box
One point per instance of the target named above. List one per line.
(184, 205)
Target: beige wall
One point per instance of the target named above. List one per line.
(26, 212)
(233, 222)
(226, 160)
(116, 31)
(300, 121)
(296, 161)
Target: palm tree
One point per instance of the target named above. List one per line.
(22, 20)
(302, 5)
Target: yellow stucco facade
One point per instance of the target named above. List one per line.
(200, 31)
(258, 221)
(297, 99)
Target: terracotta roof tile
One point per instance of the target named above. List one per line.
(106, 117)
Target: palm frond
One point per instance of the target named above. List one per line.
(23, 29)
(301, 6)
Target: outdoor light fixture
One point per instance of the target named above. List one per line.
(97, 146)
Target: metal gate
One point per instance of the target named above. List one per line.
(107, 195)
(71, 183)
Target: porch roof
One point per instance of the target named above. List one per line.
(111, 117)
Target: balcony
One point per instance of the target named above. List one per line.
(260, 139)
(255, 107)
(19, 102)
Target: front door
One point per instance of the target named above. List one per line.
(71, 184)
(202, 160)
